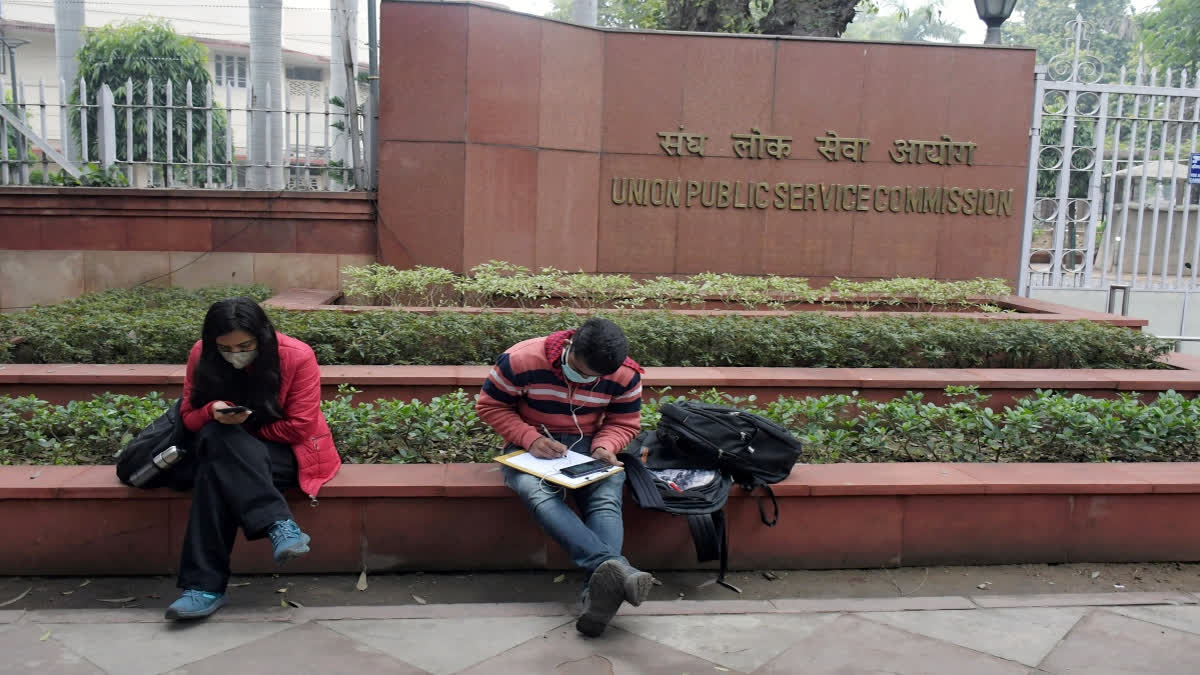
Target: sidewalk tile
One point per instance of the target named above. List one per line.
(742, 642)
(1083, 599)
(94, 616)
(702, 607)
(1184, 618)
(564, 651)
(854, 645)
(444, 646)
(1024, 635)
(10, 615)
(149, 649)
(304, 649)
(1104, 643)
(447, 611)
(25, 652)
(842, 605)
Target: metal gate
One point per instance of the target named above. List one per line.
(1108, 199)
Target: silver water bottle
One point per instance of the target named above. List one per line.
(161, 462)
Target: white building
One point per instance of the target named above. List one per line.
(305, 76)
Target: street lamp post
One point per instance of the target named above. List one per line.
(994, 13)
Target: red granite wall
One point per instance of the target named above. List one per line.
(58, 243)
(502, 133)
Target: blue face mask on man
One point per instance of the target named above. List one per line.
(572, 374)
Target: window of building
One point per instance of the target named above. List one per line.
(304, 73)
(229, 70)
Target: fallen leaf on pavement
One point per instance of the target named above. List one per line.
(66, 592)
(984, 585)
(281, 590)
(560, 578)
(770, 576)
(1095, 575)
(45, 636)
(6, 603)
(362, 581)
(239, 584)
(295, 604)
(85, 583)
(118, 601)
(35, 475)
(419, 599)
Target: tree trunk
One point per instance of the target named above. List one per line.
(708, 16)
(821, 18)
(266, 77)
(343, 26)
(69, 20)
(583, 12)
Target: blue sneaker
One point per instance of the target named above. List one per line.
(288, 540)
(195, 605)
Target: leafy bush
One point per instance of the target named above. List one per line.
(142, 325)
(1045, 427)
(498, 282)
(160, 325)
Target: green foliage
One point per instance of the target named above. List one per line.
(769, 17)
(377, 284)
(1045, 427)
(1171, 32)
(141, 325)
(500, 283)
(1111, 31)
(922, 24)
(160, 325)
(93, 176)
(144, 50)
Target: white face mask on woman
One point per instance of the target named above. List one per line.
(240, 360)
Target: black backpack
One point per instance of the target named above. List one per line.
(162, 433)
(697, 494)
(741, 447)
(755, 451)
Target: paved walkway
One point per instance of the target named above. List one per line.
(1131, 633)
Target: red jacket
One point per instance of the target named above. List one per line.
(303, 425)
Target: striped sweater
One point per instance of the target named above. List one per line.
(526, 390)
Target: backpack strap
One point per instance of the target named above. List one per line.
(642, 483)
(762, 512)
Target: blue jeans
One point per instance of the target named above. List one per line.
(589, 540)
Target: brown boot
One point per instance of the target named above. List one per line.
(635, 583)
(602, 599)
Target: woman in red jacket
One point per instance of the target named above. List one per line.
(253, 398)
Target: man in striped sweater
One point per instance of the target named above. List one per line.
(574, 390)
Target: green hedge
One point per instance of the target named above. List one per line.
(501, 283)
(1046, 427)
(160, 325)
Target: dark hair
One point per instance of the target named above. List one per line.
(601, 344)
(216, 380)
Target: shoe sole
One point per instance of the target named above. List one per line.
(606, 592)
(295, 551)
(637, 587)
(176, 615)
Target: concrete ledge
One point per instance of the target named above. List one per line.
(79, 520)
(59, 383)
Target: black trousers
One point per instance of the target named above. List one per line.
(237, 483)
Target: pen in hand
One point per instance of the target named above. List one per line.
(546, 431)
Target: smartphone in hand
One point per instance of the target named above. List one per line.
(233, 410)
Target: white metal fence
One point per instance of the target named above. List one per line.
(1108, 198)
(160, 134)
